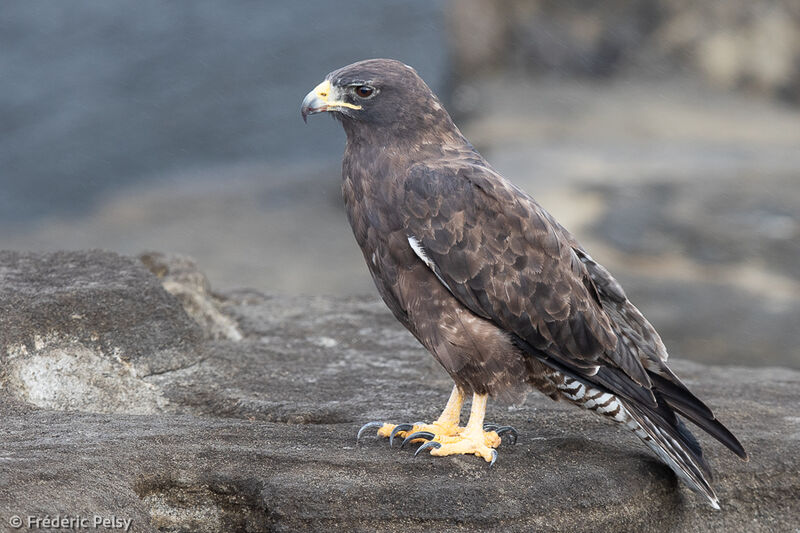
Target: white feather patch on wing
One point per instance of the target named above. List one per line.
(420, 251)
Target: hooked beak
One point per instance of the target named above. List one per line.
(324, 97)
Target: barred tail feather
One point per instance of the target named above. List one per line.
(657, 426)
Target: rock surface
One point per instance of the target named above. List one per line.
(84, 330)
(258, 434)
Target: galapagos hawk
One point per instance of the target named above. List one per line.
(491, 284)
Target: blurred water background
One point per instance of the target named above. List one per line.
(665, 134)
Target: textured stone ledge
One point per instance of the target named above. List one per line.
(240, 415)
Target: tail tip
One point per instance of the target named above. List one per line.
(715, 504)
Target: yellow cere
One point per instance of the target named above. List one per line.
(324, 90)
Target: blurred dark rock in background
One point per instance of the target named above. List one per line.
(737, 44)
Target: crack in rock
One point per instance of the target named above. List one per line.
(179, 506)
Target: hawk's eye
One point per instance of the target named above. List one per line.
(364, 91)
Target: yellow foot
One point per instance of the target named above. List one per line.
(446, 438)
(418, 432)
(476, 442)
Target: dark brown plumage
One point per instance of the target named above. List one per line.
(498, 291)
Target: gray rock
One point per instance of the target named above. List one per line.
(83, 330)
(181, 278)
(258, 435)
(745, 219)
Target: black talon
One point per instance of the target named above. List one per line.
(489, 427)
(418, 435)
(426, 445)
(398, 428)
(507, 429)
(366, 427)
(494, 458)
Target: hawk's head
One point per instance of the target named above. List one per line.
(377, 94)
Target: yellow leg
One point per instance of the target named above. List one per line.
(446, 424)
(451, 415)
(472, 439)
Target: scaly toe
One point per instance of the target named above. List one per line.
(481, 443)
(491, 439)
(437, 432)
